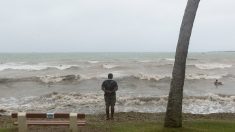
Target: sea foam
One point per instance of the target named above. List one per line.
(93, 103)
(32, 67)
(212, 66)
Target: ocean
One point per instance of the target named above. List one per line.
(71, 82)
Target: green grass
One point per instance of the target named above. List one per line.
(212, 126)
(4, 130)
(188, 126)
(137, 126)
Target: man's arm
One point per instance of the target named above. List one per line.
(115, 88)
(103, 88)
(106, 91)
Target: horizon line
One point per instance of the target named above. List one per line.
(114, 51)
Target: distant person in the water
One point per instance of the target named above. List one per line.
(217, 83)
(110, 87)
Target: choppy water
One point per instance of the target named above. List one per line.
(59, 82)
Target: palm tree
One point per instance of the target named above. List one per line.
(174, 107)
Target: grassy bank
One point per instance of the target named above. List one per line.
(145, 122)
(189, 126)
(5, 130)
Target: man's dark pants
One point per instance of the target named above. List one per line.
(110, 100)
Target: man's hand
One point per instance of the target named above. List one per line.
(107, 91)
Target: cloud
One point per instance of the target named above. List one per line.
(109, 25)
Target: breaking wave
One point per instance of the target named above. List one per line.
(36, 67)
(93, 62)
(109, 66)
(149, 77)
(94, 103)
(205, 76)
(44, 66)
(42, 79)
(118, 76)
(154, 77)
(212, 66)
(169, 59)
(55, 79)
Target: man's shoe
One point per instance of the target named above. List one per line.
(107, 118)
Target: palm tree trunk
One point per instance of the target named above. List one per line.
(174, 107)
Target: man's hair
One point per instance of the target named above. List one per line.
(110, 76)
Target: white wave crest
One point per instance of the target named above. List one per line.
(204, 76)
(94, 103)
(109, 66)
(212, 66)
(212, 103)
(169, 59)
(149, 77)
(32, 67)
(93, 62)
(145, 61)
(145, 76)
(155, 77)
(54, 102)
(56, 79)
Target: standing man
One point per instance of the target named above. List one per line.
(109, 87)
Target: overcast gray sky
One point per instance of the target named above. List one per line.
(112, 25)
